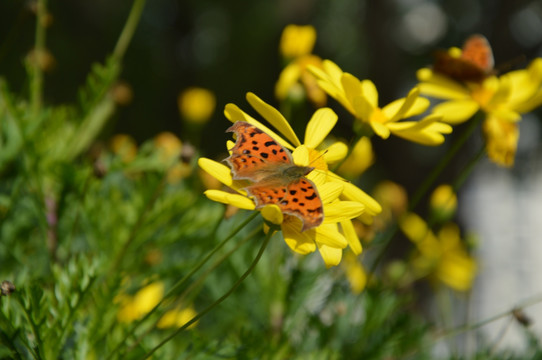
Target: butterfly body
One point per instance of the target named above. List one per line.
(475, 63)
(275, 178)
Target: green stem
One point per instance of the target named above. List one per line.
(199, 282)
(218, 301)
(182, 281)
(467, 327)
(430, 179)
(36, 84)
(129, 29)
(428, 182)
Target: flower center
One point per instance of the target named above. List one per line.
(378, 116)
(316, 159)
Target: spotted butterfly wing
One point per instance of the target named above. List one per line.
(256, 156)
(475, 64)
(299, 198)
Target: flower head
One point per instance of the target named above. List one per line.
(360, 98)
(297, 40)
(341, 200)
(135, 307)
(197, 104)
(443, 256)
(295, 81)
(503, 99)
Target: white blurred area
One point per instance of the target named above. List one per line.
(503, 207)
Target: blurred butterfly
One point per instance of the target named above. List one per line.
(475, 63)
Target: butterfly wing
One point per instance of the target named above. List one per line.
(299, 198)
(477, 51)
(475, 64)
(255, 154)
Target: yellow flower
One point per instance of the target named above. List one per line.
(297, 40)
(355, 273)
(177, 318)
(124, 146)
(169, 150)
(197, 104)
(135, 307)
(295, 81)
(503, 99)
(442, 256)
(443, 201)
(360, 98)
(360, 159)
(341, 200)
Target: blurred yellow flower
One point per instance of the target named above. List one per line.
(360, 159)
(124, 146)
(442, 256)
(135, 307)
(355, 273)
(168, 146)
(197, 104)
(342, 201)
(360, 98)
(177, 318)
(169, 149)
(297, 40)
(503, 99)
(295, 81)
(443, 202)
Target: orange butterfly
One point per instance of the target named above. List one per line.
(257, 157)
(475, 64)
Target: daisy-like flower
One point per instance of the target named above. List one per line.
(441, 256)
(296, 45)
(341, 200)
(502, 98)
(360, 98)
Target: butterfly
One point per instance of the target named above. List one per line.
(475, 64)
(275, 178)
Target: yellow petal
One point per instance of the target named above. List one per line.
(236, 200)
(331, 255)
(351, 236)
(351, 86)
(439, 86)
(329, 234)
(335, 152)
(273, 214)
(352, 192)
(233, 113)
(301, 156)
(370, 92)
(342, 210)
(330, 191)
(456, 111)
(274, 117)
(380, 129)
(287, 78)
(300, 242)
(220, 171)
(319, 126)
(297, 40)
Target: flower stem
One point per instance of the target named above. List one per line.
(128, 30)
(36, 82)
(195, 284)
(219, 300)
(467, 327)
